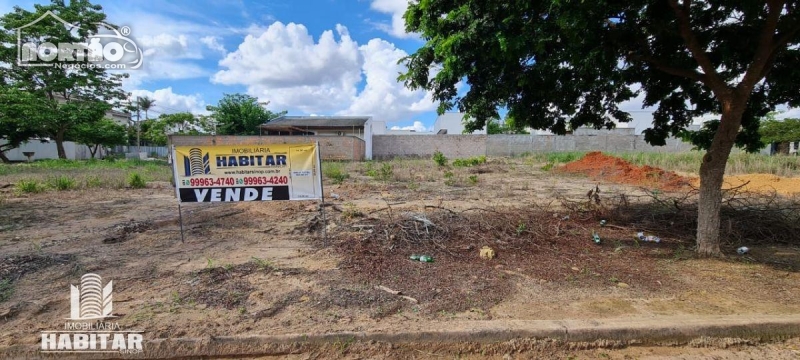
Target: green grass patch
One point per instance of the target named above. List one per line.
(136, 181)
(6, 290)
(439, 158)
(473, 161)
(62, 183)
(86, 174)
(31, 186)
(335, 171)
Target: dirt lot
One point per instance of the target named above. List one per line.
(265, 268)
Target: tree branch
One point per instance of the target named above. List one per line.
(685, 73)
(764, 54)
(684, 26)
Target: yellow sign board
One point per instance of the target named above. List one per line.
(247, 172)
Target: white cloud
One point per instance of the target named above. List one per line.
(168, 46)
(171, 45)
(168, 102)
(213, 43)
(287, 67)
(383, 96)
(418, 127)
(395, 8)
(786, 112)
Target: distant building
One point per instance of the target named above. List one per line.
(452, 123)
(317, 126)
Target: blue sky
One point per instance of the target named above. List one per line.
(324, 57)
(328, 57)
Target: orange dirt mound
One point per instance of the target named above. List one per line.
(609, 168)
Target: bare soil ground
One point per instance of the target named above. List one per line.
(264, 268)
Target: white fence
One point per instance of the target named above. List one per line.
(158, 151)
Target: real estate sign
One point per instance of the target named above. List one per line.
(247, 172)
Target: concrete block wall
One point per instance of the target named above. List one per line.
(331, 147)
(513, 145)
(452, 146)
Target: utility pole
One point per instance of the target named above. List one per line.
(138, 130)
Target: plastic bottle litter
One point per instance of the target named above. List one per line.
(649, 238)
(742, 250)
(414, 257)
(603, 222)
(596, 237)
(425, 258)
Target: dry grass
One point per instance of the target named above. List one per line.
(92, 174)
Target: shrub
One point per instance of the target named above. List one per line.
(62, 183)
(473, 161)
(136, 181)
(93, 182)
(449, 178)
(30, 186)
(386, 172)
(6, 290)
(439, 158)
(335, 172)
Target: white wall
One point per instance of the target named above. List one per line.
(48, 150)
(372, 127)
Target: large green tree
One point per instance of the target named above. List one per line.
(240, 114)
(20, 117)
(178, 123)
(105, 132)
(779, 131)
(560, 64)
(74, 95)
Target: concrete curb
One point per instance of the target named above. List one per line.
(651, 331)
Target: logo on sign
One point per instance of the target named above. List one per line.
(196, 163)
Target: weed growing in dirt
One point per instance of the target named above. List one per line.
(262, 264)
(30, 186)
(548, 166)
(473, 161)
(209, 263)
(385, 173)
(62, 183)
(449, 178)
(351, 211)
(6, 290)
(93, 182)
(473, 179)
(335, 171)
(439, 158)
(36, 247)
(521, 229)
(136, 181)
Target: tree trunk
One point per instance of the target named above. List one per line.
(3, 157)
(712, 172)
(93, 150)
(62, 154)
